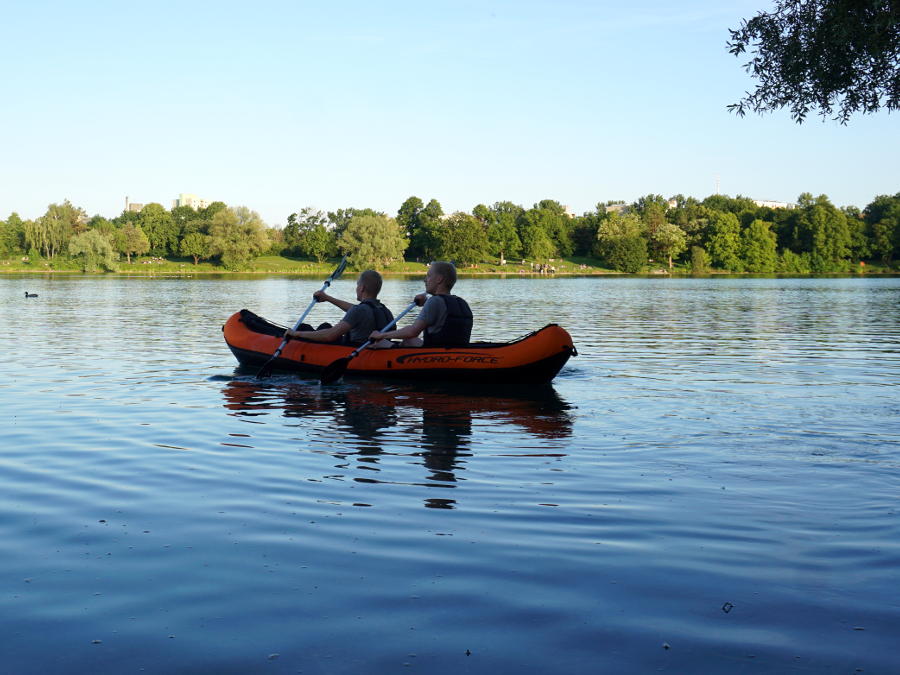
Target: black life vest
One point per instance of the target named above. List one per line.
(381, 315)
(457, 328)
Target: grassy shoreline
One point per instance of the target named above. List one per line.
(582, 267)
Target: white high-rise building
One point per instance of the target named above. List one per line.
(185, 199)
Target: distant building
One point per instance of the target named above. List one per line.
(773, 205)
(616, 208)
(132, 206)
(568, 211)
(193, 201)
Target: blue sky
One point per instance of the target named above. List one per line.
(280, 105)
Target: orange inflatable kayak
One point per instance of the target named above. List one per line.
(535, 358)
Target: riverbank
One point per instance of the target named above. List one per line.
(560, 267)
(153, 266)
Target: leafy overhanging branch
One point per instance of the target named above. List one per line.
(838, 56)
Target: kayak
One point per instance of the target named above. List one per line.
(535, 358)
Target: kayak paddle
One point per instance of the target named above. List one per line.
(335, 370)
(266, 370)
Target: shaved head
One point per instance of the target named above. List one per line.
(447, 271)
(371, 281)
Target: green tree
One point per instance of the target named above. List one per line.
(502, 231)
(237, 236)
(823, 232)
(161, 229)
(793, 263)
(133, 241)
(693, 219)
(859, 233)
(884, 238)
(275, 235)
(196, 246)
(408, 215)
(784, 225)
(211, 210)
(12, 235)
(94, 250)
(725, 241)
(307, 235)
(341, 218)
(882, 217)
(320, 243)
(189, 220)
(668, 241)
(182, 215)
(699, 260)
(425, 240)
(832, 55)
(107, 228)
(52, 231)
(550, 217)
(622, 242)
(463, 239)
(584, 233)
(373, 241)
(733, 205)
(758, 248)
(650, 202)
(536, 243)
(483, 214)
(652, 211)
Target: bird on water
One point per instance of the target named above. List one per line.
(30, 295)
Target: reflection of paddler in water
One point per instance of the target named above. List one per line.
(363, 418)
(366, 409)
(444, 434)
(538, 410)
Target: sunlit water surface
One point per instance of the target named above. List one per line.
(710, 486)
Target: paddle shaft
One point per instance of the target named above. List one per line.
(334, 370)
(334, 275)
(300, 320)
(365, 344)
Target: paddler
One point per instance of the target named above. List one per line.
(358, 321)
(445, 319)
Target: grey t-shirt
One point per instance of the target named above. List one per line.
(362, 322)
(434, 314)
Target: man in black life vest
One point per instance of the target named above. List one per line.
(359, 320)
(445, 319)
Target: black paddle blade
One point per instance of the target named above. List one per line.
(340, 270)
(334, 371)
(266, 370)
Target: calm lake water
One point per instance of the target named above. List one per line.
(711, 486)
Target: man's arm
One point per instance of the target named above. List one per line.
(325, 335)
(410, 331)
(322, 296)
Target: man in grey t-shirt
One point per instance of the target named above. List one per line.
(439, 281)
(433, 314)
(358, 321)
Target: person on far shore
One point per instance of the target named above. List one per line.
(445, 319)
(359, 320)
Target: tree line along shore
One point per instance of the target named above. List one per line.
(653, 235)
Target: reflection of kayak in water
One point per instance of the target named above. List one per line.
(534, 358)
(366, 407)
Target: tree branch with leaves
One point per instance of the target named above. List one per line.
(839, 57)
